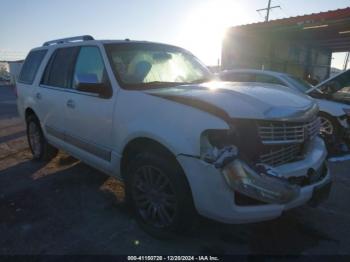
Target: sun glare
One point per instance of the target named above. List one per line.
(205, 27)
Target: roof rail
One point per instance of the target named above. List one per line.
(69, 39)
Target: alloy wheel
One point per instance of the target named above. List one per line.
(326, 126)
(154, 196)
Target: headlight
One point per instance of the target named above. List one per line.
(261, 182)
(258, 185)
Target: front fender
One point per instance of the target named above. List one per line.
(176, 126)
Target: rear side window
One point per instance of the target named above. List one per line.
(59, 70)
(31, 66)
(238, 77)
(267, 79)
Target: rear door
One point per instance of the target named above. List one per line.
(52, 93)
(89, 117)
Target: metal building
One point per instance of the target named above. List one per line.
(9, 70)
(301, 45)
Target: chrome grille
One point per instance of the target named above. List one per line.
(285, 142)
(281, 155)
(272, 133)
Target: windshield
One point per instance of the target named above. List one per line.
(149, 65)
(302, 85)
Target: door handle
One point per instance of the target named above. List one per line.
(70, 103)
(38, 96)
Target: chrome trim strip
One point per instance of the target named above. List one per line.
(89, 147)
(69, 90)
(281, 142)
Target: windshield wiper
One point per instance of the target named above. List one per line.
(159, 84)
(162, 83)
(201, 80)
(154, 84)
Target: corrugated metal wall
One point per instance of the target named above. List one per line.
(258, 51)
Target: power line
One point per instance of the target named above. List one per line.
(267, 9)
(283, 10)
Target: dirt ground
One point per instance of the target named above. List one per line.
(66, 207)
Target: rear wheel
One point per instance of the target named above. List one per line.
(159, 195)
(40, 148)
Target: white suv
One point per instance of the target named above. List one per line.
(149, 114)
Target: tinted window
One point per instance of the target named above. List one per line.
(267, 79)
(238, 77)
(300, 84)
(59, 70)
(90, 67)
(31, 66)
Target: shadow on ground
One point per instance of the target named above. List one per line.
(66, 207)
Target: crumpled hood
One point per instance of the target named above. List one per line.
(243, 100)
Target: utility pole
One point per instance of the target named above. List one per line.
(269, 7)
(346, 61)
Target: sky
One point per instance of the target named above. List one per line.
(197, 25)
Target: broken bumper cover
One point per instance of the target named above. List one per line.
(215, 198)
(259, 185)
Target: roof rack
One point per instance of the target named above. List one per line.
(69, 40)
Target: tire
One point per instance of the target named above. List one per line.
(334, 140)
(40, 148)
(159, 195)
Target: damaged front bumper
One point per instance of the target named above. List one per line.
(214, 193)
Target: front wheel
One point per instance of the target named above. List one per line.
(329, 125)
(159, 195)
(40, 148)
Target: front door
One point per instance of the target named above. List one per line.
(89, 117)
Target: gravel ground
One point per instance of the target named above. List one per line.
(66, 207)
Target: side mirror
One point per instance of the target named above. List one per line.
(90, 83)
